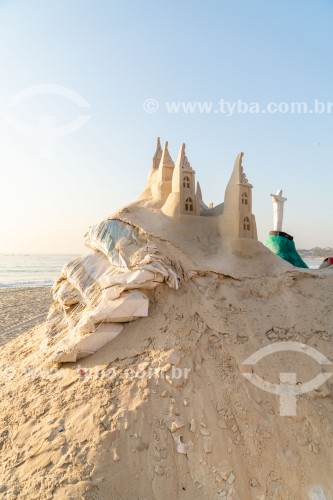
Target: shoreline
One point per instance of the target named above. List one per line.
(22, 308)
(5, 285)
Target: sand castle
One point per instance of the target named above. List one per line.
(172, 188)
(96, 295)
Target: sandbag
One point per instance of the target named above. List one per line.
(97, 294)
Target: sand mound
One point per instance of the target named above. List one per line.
(132, 252)
(164, 411)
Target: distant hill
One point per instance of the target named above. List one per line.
(316, 252)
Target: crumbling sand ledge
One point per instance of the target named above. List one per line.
(66, 435)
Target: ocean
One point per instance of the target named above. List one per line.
(312, 262)
(24, 270)
(20, 270)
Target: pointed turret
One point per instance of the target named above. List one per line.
(198, 193)
(177, 173)
(158, 154)
(166, 166)
(238, 176)
(182, 199)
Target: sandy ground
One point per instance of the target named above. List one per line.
(21, 309)
(105, 428)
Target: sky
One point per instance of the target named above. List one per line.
(86, 87)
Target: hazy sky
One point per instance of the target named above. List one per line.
(114, 56)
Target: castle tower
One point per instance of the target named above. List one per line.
(198, 193)
(161, 187)
(182, 199)
(166, 166)
(237, 219)
(147, 193)
(157, 156)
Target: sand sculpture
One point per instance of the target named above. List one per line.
(164, 410)
(278, 241)
(278, 205)
(96, 295)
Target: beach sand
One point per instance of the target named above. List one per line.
(82, 430)
(21, 309)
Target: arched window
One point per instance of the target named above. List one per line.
(186, 182)
(245, 199)
(247, 224)
(189, 205)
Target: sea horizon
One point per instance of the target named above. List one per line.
(29, 270)
(19, 270)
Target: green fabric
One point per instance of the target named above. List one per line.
(285, 249)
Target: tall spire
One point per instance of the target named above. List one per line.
(238, 176)
(165, 166)
(158, 154)
(177, 173)
(198, 193)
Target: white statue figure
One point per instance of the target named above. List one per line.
(278, 202)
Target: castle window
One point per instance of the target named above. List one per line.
(245, 200)
(186, 182)
(189, 205)
(247, 224)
